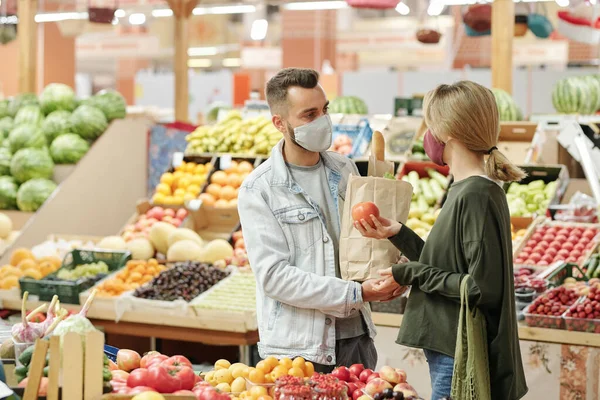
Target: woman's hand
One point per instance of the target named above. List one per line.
(379, 228)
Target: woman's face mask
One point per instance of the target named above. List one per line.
(316, 136)
(434, 148)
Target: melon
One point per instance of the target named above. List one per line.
(112, 243)
(572, 95)
(185, 250)
(6, 226)
(141, 249)
(184, 234)
(507, 108)
(216, 250)
(159, 236)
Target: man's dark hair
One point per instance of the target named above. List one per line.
(277, 87)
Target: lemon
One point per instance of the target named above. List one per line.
(163, 188)
(189, 196)
(167, 178)
(190, 167)
(200, 169)
(179, 192)
(194, 189)
(178, 200)
(170, 201)
(184, 182)
(158, 198)
(181, 167)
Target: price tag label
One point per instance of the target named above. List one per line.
(225, 162)
(194, 205)
(177, 159)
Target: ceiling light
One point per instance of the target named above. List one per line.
(120, 13)
(435, 8)
(232, 62)
(562, 3)
(199, 63)
(202, 51)
(137, 19)
(55, 17)
(163, 12)
(236, 9)
(259, 29)
(403, 9)
(316, 5)
(13, 19)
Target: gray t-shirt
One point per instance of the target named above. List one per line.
(313, 180)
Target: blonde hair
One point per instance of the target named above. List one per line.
(467, 111)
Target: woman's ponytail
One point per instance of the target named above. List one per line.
(499, 168)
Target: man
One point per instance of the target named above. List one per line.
(290, 212)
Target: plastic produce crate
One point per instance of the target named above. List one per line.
(582, 324)
(68, 291)
(543, 321)
(360, 133)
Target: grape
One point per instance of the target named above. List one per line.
(83, 271)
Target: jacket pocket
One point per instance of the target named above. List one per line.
(274, 315)
(303, 226)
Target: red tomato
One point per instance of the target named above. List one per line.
(156, 360)
(177, 361)
(163, 379)
(186, 377)
(147, 357)
(364, 211)
(141, 389)
(128, 360)
(112, 366)
(119, 376)
(138, 377)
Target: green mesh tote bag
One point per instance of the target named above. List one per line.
(471, 378)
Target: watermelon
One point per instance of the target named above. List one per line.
(88, 122)
(348, 105)
(5, 157)
(57, 96)
(4, 105)
(24, 136)
(56, 124)
(6, 125)
(572, 95)
(19, 101)
(110, 102)
(30, 114)
(507, 107)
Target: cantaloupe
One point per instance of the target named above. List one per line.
(112, 243)
(185, 250)
(141, 249)
(159, 236)
(6, 226)
(180, 234)
(218, 249)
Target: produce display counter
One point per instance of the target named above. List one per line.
(558, 364)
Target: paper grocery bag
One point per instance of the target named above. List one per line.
(362, 258)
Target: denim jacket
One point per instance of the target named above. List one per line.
(298, 296)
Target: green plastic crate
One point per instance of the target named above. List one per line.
(68, 291)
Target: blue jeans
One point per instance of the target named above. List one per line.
(440, 370)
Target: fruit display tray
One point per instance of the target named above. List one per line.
(546, 222)
(543, 321)
(582, 324)
(547, 173)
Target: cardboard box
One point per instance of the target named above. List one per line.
(515, 140)
(574, 186)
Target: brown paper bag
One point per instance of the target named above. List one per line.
(362, 258)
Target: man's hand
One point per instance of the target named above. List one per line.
(379, 228)
(381, 289)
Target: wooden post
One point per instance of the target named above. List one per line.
(27, 35)
(503, 26)
(182, 9)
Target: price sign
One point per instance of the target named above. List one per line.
(177, 159)
(225, 161)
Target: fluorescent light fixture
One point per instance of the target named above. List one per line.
(199, 63)
(232, 62)
(316, 5)
(202, 51)
(13, 19)
(562, 3)
(259, 29)
(403, 9)
(435, 8)
(235, 9)
(120, 13)
(55, 17)
(137, 19)
(163, 12)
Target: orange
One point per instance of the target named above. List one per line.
(214, 190)
(245, 166)
(193, 189)
(228, 193)
(19, 255)
(286, 362)
(219, 177)
(207, 199)
(163, 188)
(222, 204)
(295, 371)
(234, 180)
(279, 371)
(183, 183)
(271, 361)
(256, 375)
(27, 264)
(33, 273)
(190, 167)
(167, 178)
(309, 368)
(233, 203)
(298, 363)
(264, 366)
(10, 282)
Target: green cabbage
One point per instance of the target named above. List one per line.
(6, 125)
(68, 149)
(19, 101)
(24, 136)
(31, 163)
(88, 122)
(110, 102)
(5, 157)
(57, 96)
(56, 124)
(8, 193)
(33, 193)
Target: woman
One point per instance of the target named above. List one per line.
(472, 235)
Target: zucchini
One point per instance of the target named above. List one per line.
(438, 191)
(427, 192)
(413, 179)
(593, 266)
(25, 357)
(441, 179)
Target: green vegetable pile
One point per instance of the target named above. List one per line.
(25, 359)
(83, 271)
(38, 132)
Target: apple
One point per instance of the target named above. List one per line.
(402, 375)
(377, 385)
(357, 394)
(351, 387)
(374, 375)
(176, 222)
(170, 212)
(341, 373)
(364, 375)
(405, 389)
(389, 374)
(357, 369)
(361, 385)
